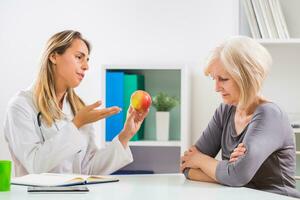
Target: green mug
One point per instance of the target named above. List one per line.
(5, 175)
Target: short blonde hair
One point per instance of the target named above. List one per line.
(247, 62)
(44, 89)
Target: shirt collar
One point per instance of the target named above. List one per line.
(66, 108)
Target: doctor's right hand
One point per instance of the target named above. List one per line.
(89, 114)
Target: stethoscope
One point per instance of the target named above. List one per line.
(40, 125)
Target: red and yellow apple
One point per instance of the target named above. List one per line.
(140, 100)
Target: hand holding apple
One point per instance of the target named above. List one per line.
(140, 101)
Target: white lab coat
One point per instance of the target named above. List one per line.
(66, 149)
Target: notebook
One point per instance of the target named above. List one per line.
(53, 179)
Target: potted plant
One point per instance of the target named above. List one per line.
(163, 104)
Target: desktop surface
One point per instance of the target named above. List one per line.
(144, 187)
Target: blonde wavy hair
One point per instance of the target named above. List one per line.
(246, 61)
(44, 88)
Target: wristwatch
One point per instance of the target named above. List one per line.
(186, 172)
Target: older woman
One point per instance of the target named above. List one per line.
(254, 133)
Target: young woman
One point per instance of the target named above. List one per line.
(49, 128)
(254, 134)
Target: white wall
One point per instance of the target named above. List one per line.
(131, 32)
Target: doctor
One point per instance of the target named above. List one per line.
(49, 128)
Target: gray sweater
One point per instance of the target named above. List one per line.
(269, 162)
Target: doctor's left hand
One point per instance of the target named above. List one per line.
(132, 124)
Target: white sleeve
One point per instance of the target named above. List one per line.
(105, 160)
(37, 157)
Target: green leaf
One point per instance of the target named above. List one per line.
(163, 102)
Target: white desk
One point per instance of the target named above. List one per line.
(144, 187)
